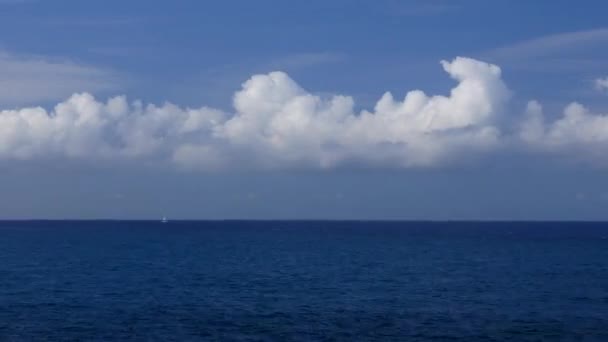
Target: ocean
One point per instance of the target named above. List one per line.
(303, 281)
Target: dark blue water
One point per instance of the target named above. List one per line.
(303, 281)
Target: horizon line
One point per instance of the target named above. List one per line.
(308, 220)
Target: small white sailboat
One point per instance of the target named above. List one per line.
(164, 220)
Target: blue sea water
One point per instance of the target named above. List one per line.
(303, 281)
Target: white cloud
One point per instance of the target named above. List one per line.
(601, 84)
(82, 127)
(578, 132)
(276, 124)
(27, 80)
(277, 118)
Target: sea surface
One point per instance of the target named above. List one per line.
(303, 281)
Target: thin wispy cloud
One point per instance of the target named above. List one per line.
(34, 79)
(601, 84)
(304, 60)
(573, 53)
(549, 45)
(421, 8)
(93, 22)
(14, 2)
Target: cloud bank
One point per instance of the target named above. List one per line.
(278, 124)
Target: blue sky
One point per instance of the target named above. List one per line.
(490, 152)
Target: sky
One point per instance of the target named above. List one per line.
(387, 109)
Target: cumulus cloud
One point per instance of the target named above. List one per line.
(276, 118)
(578, 130)
(82, 127)
(276, 123)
